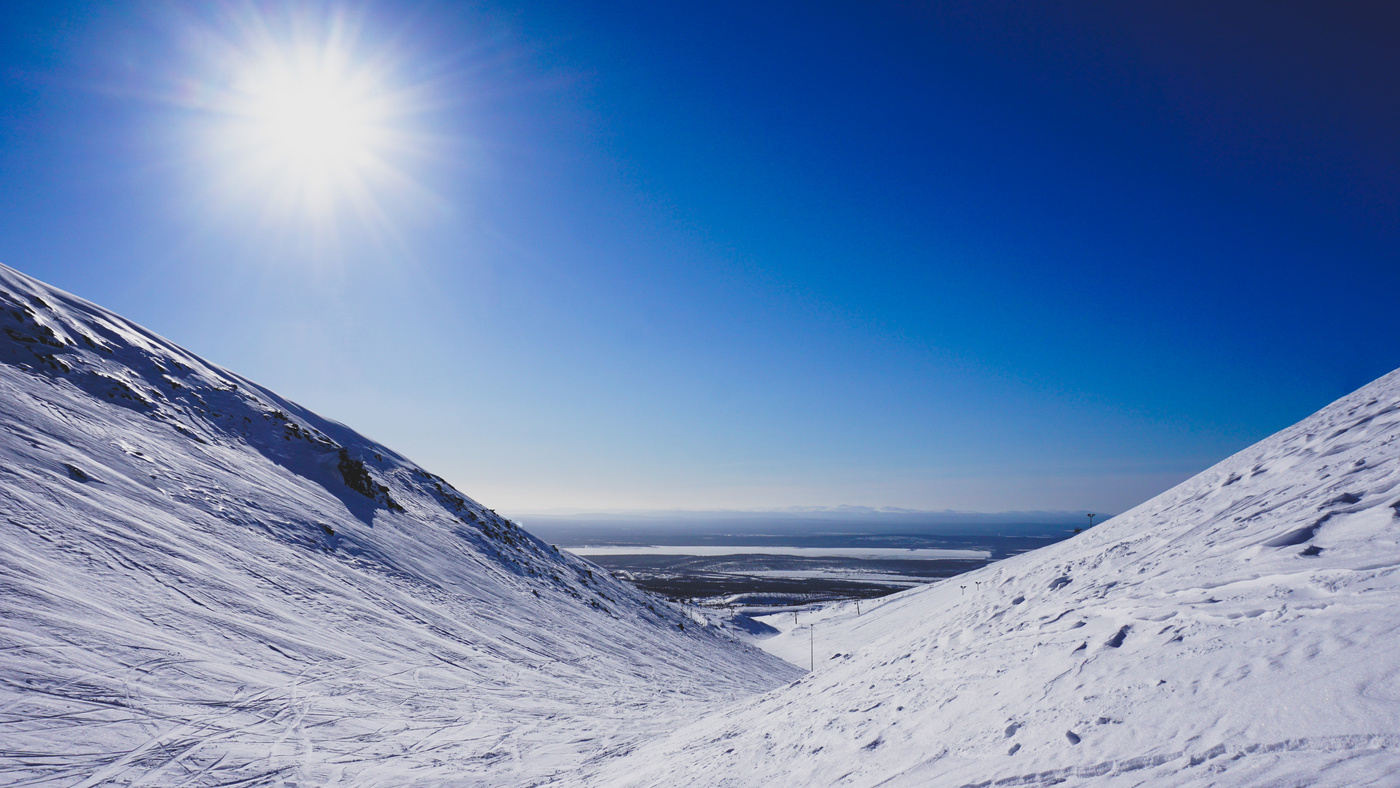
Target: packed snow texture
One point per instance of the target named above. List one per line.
(1241, 629)
(205, 584)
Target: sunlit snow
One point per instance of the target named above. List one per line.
(1237, 630)
(205, 584)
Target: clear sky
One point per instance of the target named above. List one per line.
(612, 255)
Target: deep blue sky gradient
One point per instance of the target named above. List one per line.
(961, 255)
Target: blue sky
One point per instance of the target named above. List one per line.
(637, 255)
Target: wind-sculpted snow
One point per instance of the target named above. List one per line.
(1241, 629)
(204, 584)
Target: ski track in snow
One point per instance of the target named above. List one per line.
(1237, 630)
(204, 584)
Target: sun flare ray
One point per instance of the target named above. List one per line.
(306, 119)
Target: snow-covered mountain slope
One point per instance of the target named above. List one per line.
(204, 584)
(1241, 629)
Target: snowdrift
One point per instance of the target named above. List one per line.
(1241, 629)
(205, 584)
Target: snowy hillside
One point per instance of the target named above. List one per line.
(204, 584)
(1242, 629)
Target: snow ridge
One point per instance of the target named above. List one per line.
(206, 584)
(1237, 630)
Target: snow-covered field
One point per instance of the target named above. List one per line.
(204, 584)
(1241, 629)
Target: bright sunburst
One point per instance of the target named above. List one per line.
(308, 118)
(311, 113)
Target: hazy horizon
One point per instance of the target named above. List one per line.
(824, 526)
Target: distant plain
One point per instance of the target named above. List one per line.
(756, 563)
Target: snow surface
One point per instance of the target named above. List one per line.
(204, 584)
(1241, 629)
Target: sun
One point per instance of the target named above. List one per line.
(312, 115)
(307, 120)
